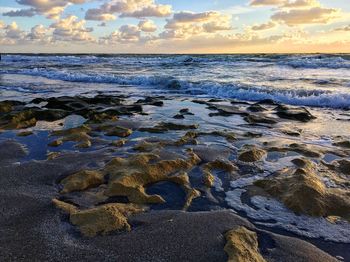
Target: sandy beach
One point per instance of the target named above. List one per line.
(130, 178)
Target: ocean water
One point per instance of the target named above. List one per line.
(310, 80)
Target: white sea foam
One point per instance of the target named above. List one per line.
(266, 210)
(272, 213)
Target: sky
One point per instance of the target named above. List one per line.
(169, 26)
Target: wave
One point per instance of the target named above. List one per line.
(308, 97)
(293, 61)
(314, 62)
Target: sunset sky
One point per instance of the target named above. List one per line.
(169, 26)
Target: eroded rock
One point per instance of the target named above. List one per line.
(128, 177)
(165, 126)
(299, 114)
(251, 154)
(242, 246)
(102, 219)
(81, 181)
(304, 192)
(208, 177)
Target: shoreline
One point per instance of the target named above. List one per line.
(224, 146)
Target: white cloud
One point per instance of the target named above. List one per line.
(266, 26)
(128, 8)
(185, 24)
(147, 26)
(315, 15)
(52, 9)
(71, 29)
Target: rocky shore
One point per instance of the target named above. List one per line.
(117, 178)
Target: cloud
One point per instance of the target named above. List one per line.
(150, 11)
(128, 8)
(185, 24)
(301, 4)
(147, 26)
(21, 12)
(52, 9)
(286, 3)
(315, 15)
(98, 15)
(267, 2)
(71, 29)
(345, 28)
(266, 26)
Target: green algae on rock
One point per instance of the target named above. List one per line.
(102, 219)
(242, 246)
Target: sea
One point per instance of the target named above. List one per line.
(315, 80)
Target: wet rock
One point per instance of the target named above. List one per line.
(344, 143)
(201, 102)
(149, 146)
(242, 245)
(252, 154)
(302, 149)
(56, 143)
(304, 192)
(342, 166)
(188, 138)
(252, 134)
(224, 110)
(53, 155)
(259, 119)
(119, 131)
(291, 132)
(102, 219)
(299, 114)
(18, 120)
(211, 153)
(81, 181)
(230, 136)
(167, 126)
(208, 177)
(77, 134)
(128, 177)
(25, 133)
(119, 143)
(179, 116)
(5, 107)
(267, 102)
(185, 111)
(256, 108)
(101, 117)
(150, 101)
